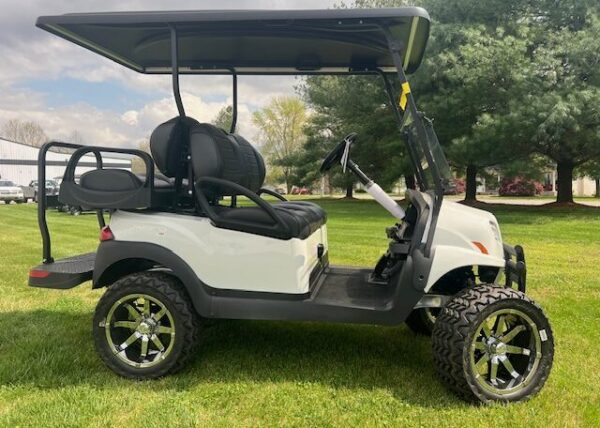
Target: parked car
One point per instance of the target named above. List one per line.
(52, 188)
(9, 192)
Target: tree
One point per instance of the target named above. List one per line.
(26, 132)
(224, 118)
(471, 86)
(75, 137)
(358, 104)
(468, 72)
(562, 108)
(281, 124)
(552, 99)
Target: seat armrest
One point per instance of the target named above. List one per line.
(278, 224)
(271, 193)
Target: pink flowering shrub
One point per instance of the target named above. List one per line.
(519, 186)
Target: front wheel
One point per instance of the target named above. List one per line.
(422, 320)
(493, 344)
(145, 326)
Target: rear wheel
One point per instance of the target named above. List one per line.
(493, 344)
(145, 326)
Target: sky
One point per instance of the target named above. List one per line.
(67, 89)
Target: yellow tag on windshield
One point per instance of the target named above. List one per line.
(404, 95)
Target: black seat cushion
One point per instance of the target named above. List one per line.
(108, 180)
(217, 154)
(168, 142)
(117, 180)
(301, 218)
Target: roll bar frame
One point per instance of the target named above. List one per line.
(42, 203)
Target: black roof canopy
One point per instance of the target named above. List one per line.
(250, 41)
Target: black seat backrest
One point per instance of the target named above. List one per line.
(169, 143)
(216, 154)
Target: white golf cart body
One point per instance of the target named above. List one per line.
(212, 252)
(234, 268)
(179, 248)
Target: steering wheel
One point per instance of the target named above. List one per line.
(338, 153)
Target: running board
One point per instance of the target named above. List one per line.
(63, 274)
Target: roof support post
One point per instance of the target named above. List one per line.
(410, 106)
(234, 110)
(175, 71)
(391, 92)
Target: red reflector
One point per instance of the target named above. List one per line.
(106, 234)
(481, 247)
(39, 274)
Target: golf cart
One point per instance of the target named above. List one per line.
(179, 249)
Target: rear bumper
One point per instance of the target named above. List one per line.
(63, 274)
(515, 269)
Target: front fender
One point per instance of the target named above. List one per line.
(447, 258)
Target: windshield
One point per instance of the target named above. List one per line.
(5, 183)
(426, 151)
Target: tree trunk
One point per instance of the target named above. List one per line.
(349, 191)
(597, 187)
(409, 180)
(288, 185)
(564, 171)
(471, 190)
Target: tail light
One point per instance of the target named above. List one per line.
(106, 234)
(36, 273)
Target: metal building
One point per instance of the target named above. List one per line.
(18, 163)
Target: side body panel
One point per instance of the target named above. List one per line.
(226, 259)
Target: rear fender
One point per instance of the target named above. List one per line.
(116, 259)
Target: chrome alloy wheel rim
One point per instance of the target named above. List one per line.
(505, 352)
(431, 314)
(140, 330)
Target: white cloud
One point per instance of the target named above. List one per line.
(29, 53)
(131, 117)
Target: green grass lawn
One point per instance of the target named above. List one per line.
(283, 373)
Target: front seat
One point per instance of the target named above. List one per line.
(228, 165)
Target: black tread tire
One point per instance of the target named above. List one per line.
(419, 322)
(455, 326)
(172, 294)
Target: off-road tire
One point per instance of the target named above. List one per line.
(168, 290)
(420, 322)
(455, 327)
